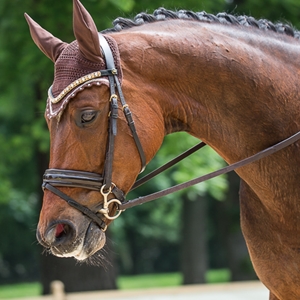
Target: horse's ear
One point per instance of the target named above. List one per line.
(86, 32)
(48, 44)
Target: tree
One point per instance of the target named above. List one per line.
(194, 249)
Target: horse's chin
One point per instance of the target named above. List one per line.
(86, 245)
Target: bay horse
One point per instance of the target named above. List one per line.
(230, 81)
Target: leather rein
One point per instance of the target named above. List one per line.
(103, 183)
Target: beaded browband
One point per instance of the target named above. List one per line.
(76, 83)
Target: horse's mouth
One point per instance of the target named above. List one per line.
(94, 240)
(83, 246)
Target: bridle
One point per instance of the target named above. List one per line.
(71, 178)
(103, 183)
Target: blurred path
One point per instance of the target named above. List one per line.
(231, 291)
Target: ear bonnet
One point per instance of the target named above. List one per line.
(73, 73)
(78, 65)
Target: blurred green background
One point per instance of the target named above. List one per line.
(183, 237)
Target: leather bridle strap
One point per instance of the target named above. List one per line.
(78, 179)
(271, 150)
(113, 84)
(107, 54)
(86, 211)
(113, 117)
(168, 165)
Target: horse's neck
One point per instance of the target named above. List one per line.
(235, 90)
(215, 81)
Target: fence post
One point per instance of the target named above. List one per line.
(58, 290)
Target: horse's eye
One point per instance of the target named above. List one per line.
(86, 117)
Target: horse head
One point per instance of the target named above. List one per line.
(94, 160)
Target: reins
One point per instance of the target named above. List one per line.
(166, 166)
(264, 153)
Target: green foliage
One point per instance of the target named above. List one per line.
(195, 5)
(124, 5)
(141, 229)
(143, 236)
(287, 11)
(200, 163)
(17, 254)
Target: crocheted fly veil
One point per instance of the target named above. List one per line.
(73, 73)
(78, 65)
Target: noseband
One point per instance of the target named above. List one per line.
(71, 178)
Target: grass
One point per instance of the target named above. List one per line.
(20, 290)
(124, 282)
(168, 279)
(149, 280)
(218, 276)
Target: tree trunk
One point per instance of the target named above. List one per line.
(238, 257)
(194, 240)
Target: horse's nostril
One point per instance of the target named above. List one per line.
(61, 230)
(59, 233)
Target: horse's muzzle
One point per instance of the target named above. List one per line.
(64, 239)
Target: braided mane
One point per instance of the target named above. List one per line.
(163, 14)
